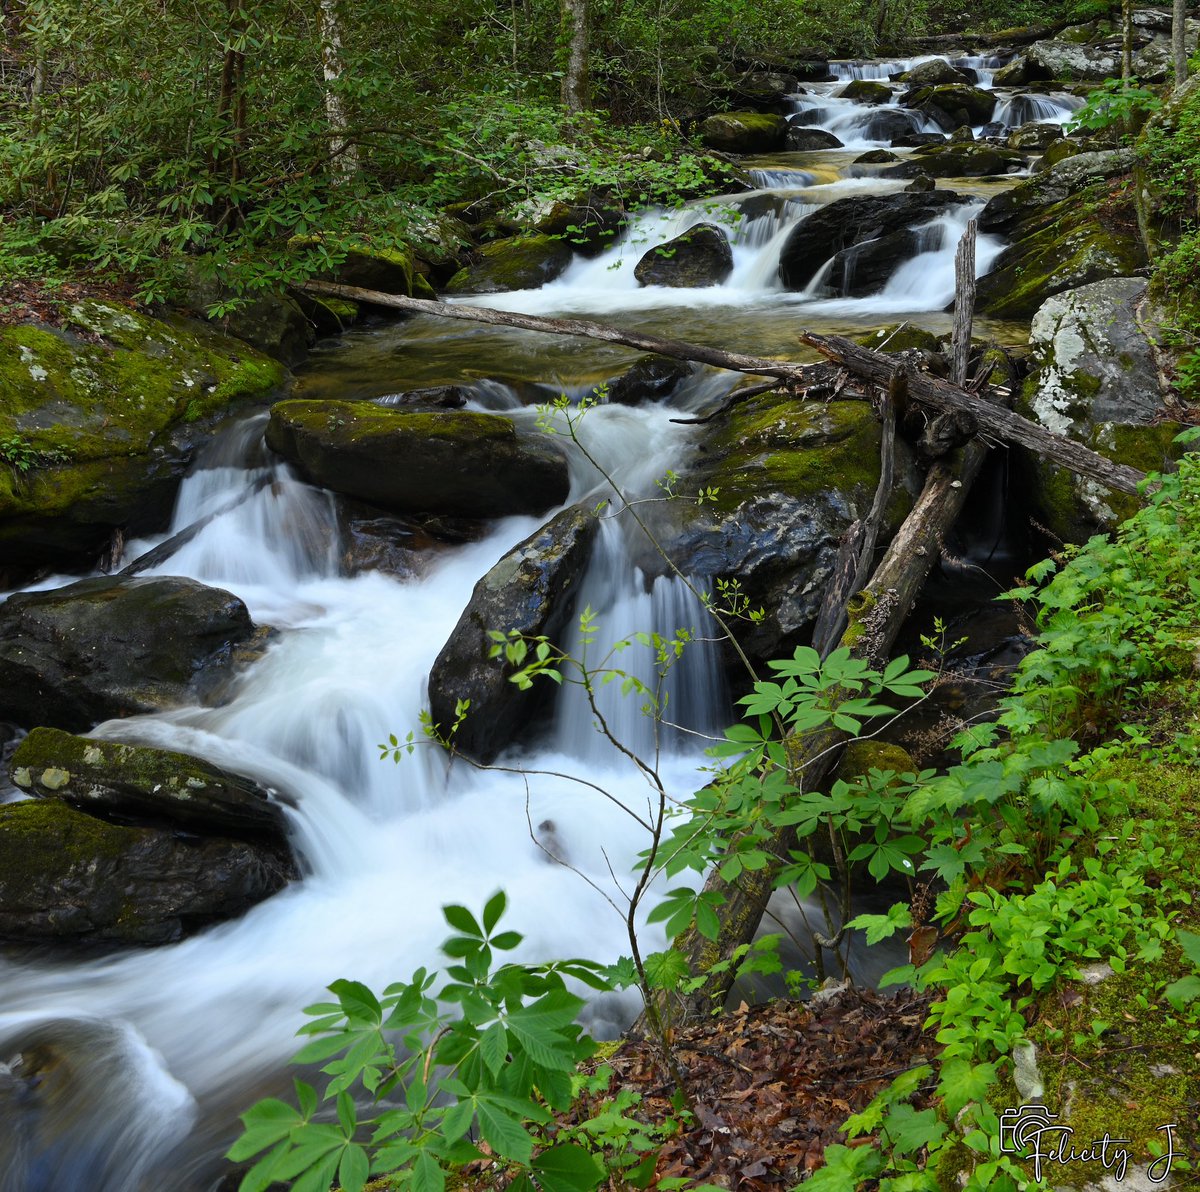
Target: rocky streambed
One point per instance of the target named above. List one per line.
(290, 575)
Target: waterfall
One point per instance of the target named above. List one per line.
(164, 1047)
(1016, 110)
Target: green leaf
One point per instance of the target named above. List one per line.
(357, 1001)
(493, 910)
(354, 1169)
(427, 1174)
(503, 1132)
(567, 1168)
(462, 920)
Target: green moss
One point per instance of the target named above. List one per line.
(861, 757)
(772, 443)
(516, 263)
(901, 337)
(45, 836)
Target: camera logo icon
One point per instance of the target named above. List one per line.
(1021, 1128)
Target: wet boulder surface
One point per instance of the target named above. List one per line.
(453, 462)
(701, 256)
(531, 589)
(111, 647)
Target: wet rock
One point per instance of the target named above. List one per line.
(1095, 378)
(104, 648)
(744, 132)
(454, 462)
(652, 378)
(114, 404)
(1065, 60)
(701, 256)
(1068, 228)
(914, 140)
(962, 136)
(791, 477)
(863, 269)
(589, 223)
(374, 540)
(371, 267)
(852, 221)
(134, 782)
(933, 73)
(1014, 74)
(958, 161)
(763, 90)
(921, 184)
(1034, 136)
(866, 91)
(69, 878)
(532, 589)
(803, 140)
(432, 397)
(518, 263)
(953, 105)
(876, 157)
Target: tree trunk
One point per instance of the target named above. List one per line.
(576, 88)
(1126, 41)
(1179, 42)
(343, 154)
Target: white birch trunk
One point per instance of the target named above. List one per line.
(343, 154)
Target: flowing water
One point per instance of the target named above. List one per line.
(126, 1073)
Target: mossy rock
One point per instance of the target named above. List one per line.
(69, 878)
(953, 104)
(135, 782)
(790, 478)
(958, 160)
(1162, 217)
(457, 463)
(699, 257)
(373, 267)
(519, 263)
(901, 337)
(861, 757)
(744, 132)
(867, 91)
(1064, 246)
(1095, 378)
(112, 407)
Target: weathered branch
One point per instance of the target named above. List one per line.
(873, 366)
(990, 420)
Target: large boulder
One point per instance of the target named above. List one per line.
(532, 589)
(100, 418)
(1069, 61)
(134, 782)
(110, 647)
(866, 91)
(519, 263)
(69, 878)
(958, 160)
(651, 378)
(952, 105)
(1059, 243)
(790, 478)
(701, 256)
(935, 72)
(1095, 378)
(454, 462)
(863, 269)
(744, 132)
(800, 139)
(852, 221)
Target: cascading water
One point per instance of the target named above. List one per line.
(157, 1051)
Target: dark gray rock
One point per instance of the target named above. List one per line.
(701, 256)
(804, 140)
(135, 782)
(452, 462)
(744, 132)
(934, 72)
(532, 589)
(104, 648)
(652, 378)
(69, 878)
(852, 221)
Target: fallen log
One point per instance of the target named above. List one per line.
(873, 366)
(876, 615)
(989, 419)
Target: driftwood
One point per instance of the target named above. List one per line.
(862, 362)
(989, 419)
(964, 305)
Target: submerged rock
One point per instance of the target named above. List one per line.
(69, 878)
(520, 263)
(848, 222)
(135, 782)
(791, 477)
(1096, 379)
(532, 589)
(103, 648)
(701, 256)
(744, 132)
(454, 462)
(110, 408)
